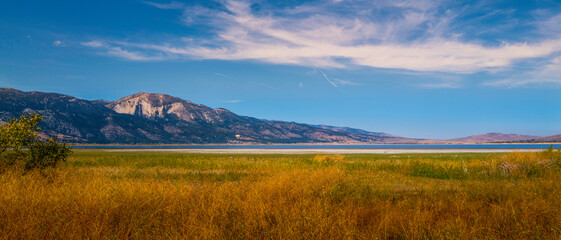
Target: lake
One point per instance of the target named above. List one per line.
(329, 146)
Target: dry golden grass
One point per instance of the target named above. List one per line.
(125, 196)
(329, 158)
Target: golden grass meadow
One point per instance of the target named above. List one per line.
(159, 195)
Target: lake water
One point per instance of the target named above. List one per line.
(308, 146)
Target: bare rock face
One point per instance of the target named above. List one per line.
(162, 106)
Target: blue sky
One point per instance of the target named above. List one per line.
(424, 69)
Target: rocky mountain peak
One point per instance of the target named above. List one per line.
(154, 99)
(163, 106)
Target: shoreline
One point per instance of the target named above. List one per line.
(310, 144)
(317, 151)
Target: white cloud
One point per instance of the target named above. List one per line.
(134, 56)
(57, 43)
(550, 25)
(341, 82)
(323, 41)
(417, 38)
(94, 44)
(549, 73)
(116, 49)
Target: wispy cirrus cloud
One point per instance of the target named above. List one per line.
(549, 73)
(441, 84)
(94, 44)
(342, 82)
(58, 43)
(415, 36)
(221, 74)
(112, 49)
(135, 56)
(170, 5)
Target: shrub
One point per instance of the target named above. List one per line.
(19, 134)
(49, 153)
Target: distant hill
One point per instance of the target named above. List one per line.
(160, 118)
(554, 138)
(387, 138)
(493, 137)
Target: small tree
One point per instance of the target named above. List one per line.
(21, 133)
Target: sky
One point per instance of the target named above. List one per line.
(421, 69)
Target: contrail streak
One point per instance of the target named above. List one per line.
(326, 78)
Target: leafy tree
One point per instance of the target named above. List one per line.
(19, 134)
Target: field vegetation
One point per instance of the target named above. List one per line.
(151, 195)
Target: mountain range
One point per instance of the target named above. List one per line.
(159, 118)
(151, 118)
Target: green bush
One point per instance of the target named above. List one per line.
(19, 144)
(19, 132)
(49, 153)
